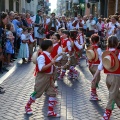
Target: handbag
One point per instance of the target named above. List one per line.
(41, 30)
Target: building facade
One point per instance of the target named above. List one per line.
(102, 7)
(70, 7)
(23, 6)
(61, 7)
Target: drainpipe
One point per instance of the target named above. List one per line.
(116, 8)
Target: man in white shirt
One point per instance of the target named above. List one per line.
(90, 27)
(78, 22)
(52, 25)
(99, 26)
(70, 26)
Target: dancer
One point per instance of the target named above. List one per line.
(94, 54)
(44, 79)
(57, 49)
(111, 65)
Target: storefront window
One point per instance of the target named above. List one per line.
(2, 5)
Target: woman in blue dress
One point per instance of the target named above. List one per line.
(9, 45)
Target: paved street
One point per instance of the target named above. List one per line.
(73, 97)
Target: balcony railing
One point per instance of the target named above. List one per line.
(93, 1)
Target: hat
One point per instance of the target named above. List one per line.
(110, 61)
(92, 54)
(34, 57)
(73, 32)
(81, 28)
(66, 32)
(53, 13)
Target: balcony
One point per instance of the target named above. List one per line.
(81, 1)
(93, 1)
(75, 1)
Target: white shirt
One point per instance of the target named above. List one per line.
(90, 24)
(78, 45)
(70, 26)
(81, 38)
(77, 25)
(112, 27)
(31, 38)
(68, 45)
(58, 52)
(99, 26)
(41, 61)
(47, 20)
(23, 37)
(100, 66)
(99, 53)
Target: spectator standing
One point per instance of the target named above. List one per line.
(63, 23)
(38, 22)
(52, 25)
(15, 23)
(3, 22)
(23, 19)
(100, 23)
(9, 47)
(96, 17)
(32, 41)
(70, 26)
(77, 23)
(29, 20)
(91, 24)
(24, 50)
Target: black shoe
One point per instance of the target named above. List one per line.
(2, 90)
(5, 69)
(14, 58)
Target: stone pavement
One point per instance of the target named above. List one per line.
(73, 97)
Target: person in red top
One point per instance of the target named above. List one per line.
(61, 34)
(44, 79)
(110, 63)
(81, 40)
(94, 54)
(28, 19)
(75, 48)
(57, 49)
(66, 45)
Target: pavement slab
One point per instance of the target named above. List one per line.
(73, 97)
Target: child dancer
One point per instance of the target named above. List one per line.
(81, 41)
(44, 79)
(60, 33)
(76, 48)
(31, 42)
(94, 56)
(24, 50)
(9, 47)
(57, 49)
(50, 34)
(66, 45)
(111, 65)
